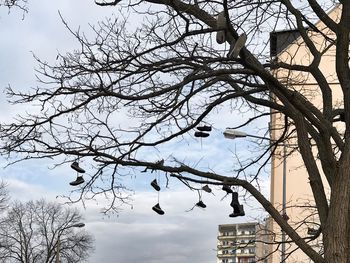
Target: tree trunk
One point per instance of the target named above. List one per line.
(337, 230)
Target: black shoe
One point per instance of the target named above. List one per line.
(234, 202)
(75, 166)
(155, 185)
(201, 204)
(311, 231)
(78, 181)
(206, 188)
(201, 134)
(239, 211)
(227, 189)
(157, 209)
(204, 128)
(285, 216)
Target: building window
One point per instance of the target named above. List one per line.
(246, 260)
(251, 250)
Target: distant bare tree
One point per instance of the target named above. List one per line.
(35, 231)
(168, 74)
(22, 4)
(4, 196)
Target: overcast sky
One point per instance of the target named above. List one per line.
(137, 234)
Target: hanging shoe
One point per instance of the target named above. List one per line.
(239, 211)
(312, 231)
(155, 185)
(201, 204)
(201, 134)
(238, 45)
(285, 216)
(221, 23)
(157, 209)
(227, 189)
(206, 188)
(221, 36)
(234, 202)
(75, 166)
(204, 128)
(78, 181)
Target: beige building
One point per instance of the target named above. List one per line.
(287, 168)
(241, 243)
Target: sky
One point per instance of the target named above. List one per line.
(136, 234)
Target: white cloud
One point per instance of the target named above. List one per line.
(140, 235)
(159, 241)
(20, 190)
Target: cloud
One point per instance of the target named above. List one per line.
(140, 235)
(143, 236)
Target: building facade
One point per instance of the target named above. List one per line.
(291, 193)
(241, 243)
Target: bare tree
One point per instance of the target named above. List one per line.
(168, 74)
(4, 196)
(21, 4)
(41, 231)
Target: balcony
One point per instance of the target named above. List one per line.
(247, 244)
(246, 254)
(224, 237)
(246, 235)
(227, 256)
(224, 246)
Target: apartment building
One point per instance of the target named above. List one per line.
(241, 243)
(290, 187)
